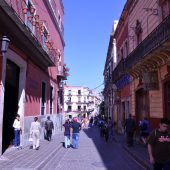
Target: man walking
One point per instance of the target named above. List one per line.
(49, 126)
(159, 146)
(75, 129)
(130, 129)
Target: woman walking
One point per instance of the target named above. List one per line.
(67, 127)
(35, 132)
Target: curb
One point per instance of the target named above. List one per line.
(139, 160)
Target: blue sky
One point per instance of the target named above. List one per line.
(87, 28)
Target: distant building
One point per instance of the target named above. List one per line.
(80, 101)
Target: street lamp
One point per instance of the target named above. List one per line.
(5, 43)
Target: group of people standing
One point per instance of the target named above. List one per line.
(106, 128)
(130, 129)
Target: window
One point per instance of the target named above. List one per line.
(69, 92)
(122, 54)
(85, 99)
(138, 31)
(79, 92)
(69, 99)
(79, 99)
(51, 99)
(43, 99)
(53, 5)
(69, 108)
(79, 108)
(126, 49)
(165, 8)
(84, 107)
(44, 39)
(59, 20)
(29, 16)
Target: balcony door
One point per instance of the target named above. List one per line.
(142, 104)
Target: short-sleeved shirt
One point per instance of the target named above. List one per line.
(76, 127)
(67, 129)
(160, 146)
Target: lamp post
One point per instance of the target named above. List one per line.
(5, 44)
(4, 47)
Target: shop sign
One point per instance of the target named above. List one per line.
(150, 80)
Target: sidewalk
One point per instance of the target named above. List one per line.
(138, 152)
(29, 159)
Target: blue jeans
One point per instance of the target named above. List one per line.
(67, 141)
(17, 137)
(75, 139)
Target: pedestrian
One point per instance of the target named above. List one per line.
(75, 129)
(91, 122)
(67, 127)
(17, 131)
(106, 131)
(102, 127)
(130, 129)
(110, 128)
(159, 146)
(144, 130)
(35, 133)
(49, 127)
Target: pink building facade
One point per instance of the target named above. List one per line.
(32, 68)
(142, 74)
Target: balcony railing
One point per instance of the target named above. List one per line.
(156, 38)
(28, 38)
(118, 71)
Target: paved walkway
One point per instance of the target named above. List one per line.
(138, 151)
(92, 155)
(29, 159)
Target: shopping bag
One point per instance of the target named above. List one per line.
(30, 139)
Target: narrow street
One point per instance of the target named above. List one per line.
(93, 154)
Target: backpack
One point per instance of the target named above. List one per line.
(143, 126)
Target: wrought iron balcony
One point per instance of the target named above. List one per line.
(118, 71)
(155, 39)
(21, 35)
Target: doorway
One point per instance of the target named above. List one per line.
(167, 99)
(10, 103)
(142, 104)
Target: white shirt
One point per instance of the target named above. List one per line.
(17, 124)
(35, 126)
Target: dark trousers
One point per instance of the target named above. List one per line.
(49, 134)
(130, 138)
(162, 166)
(17, 137)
